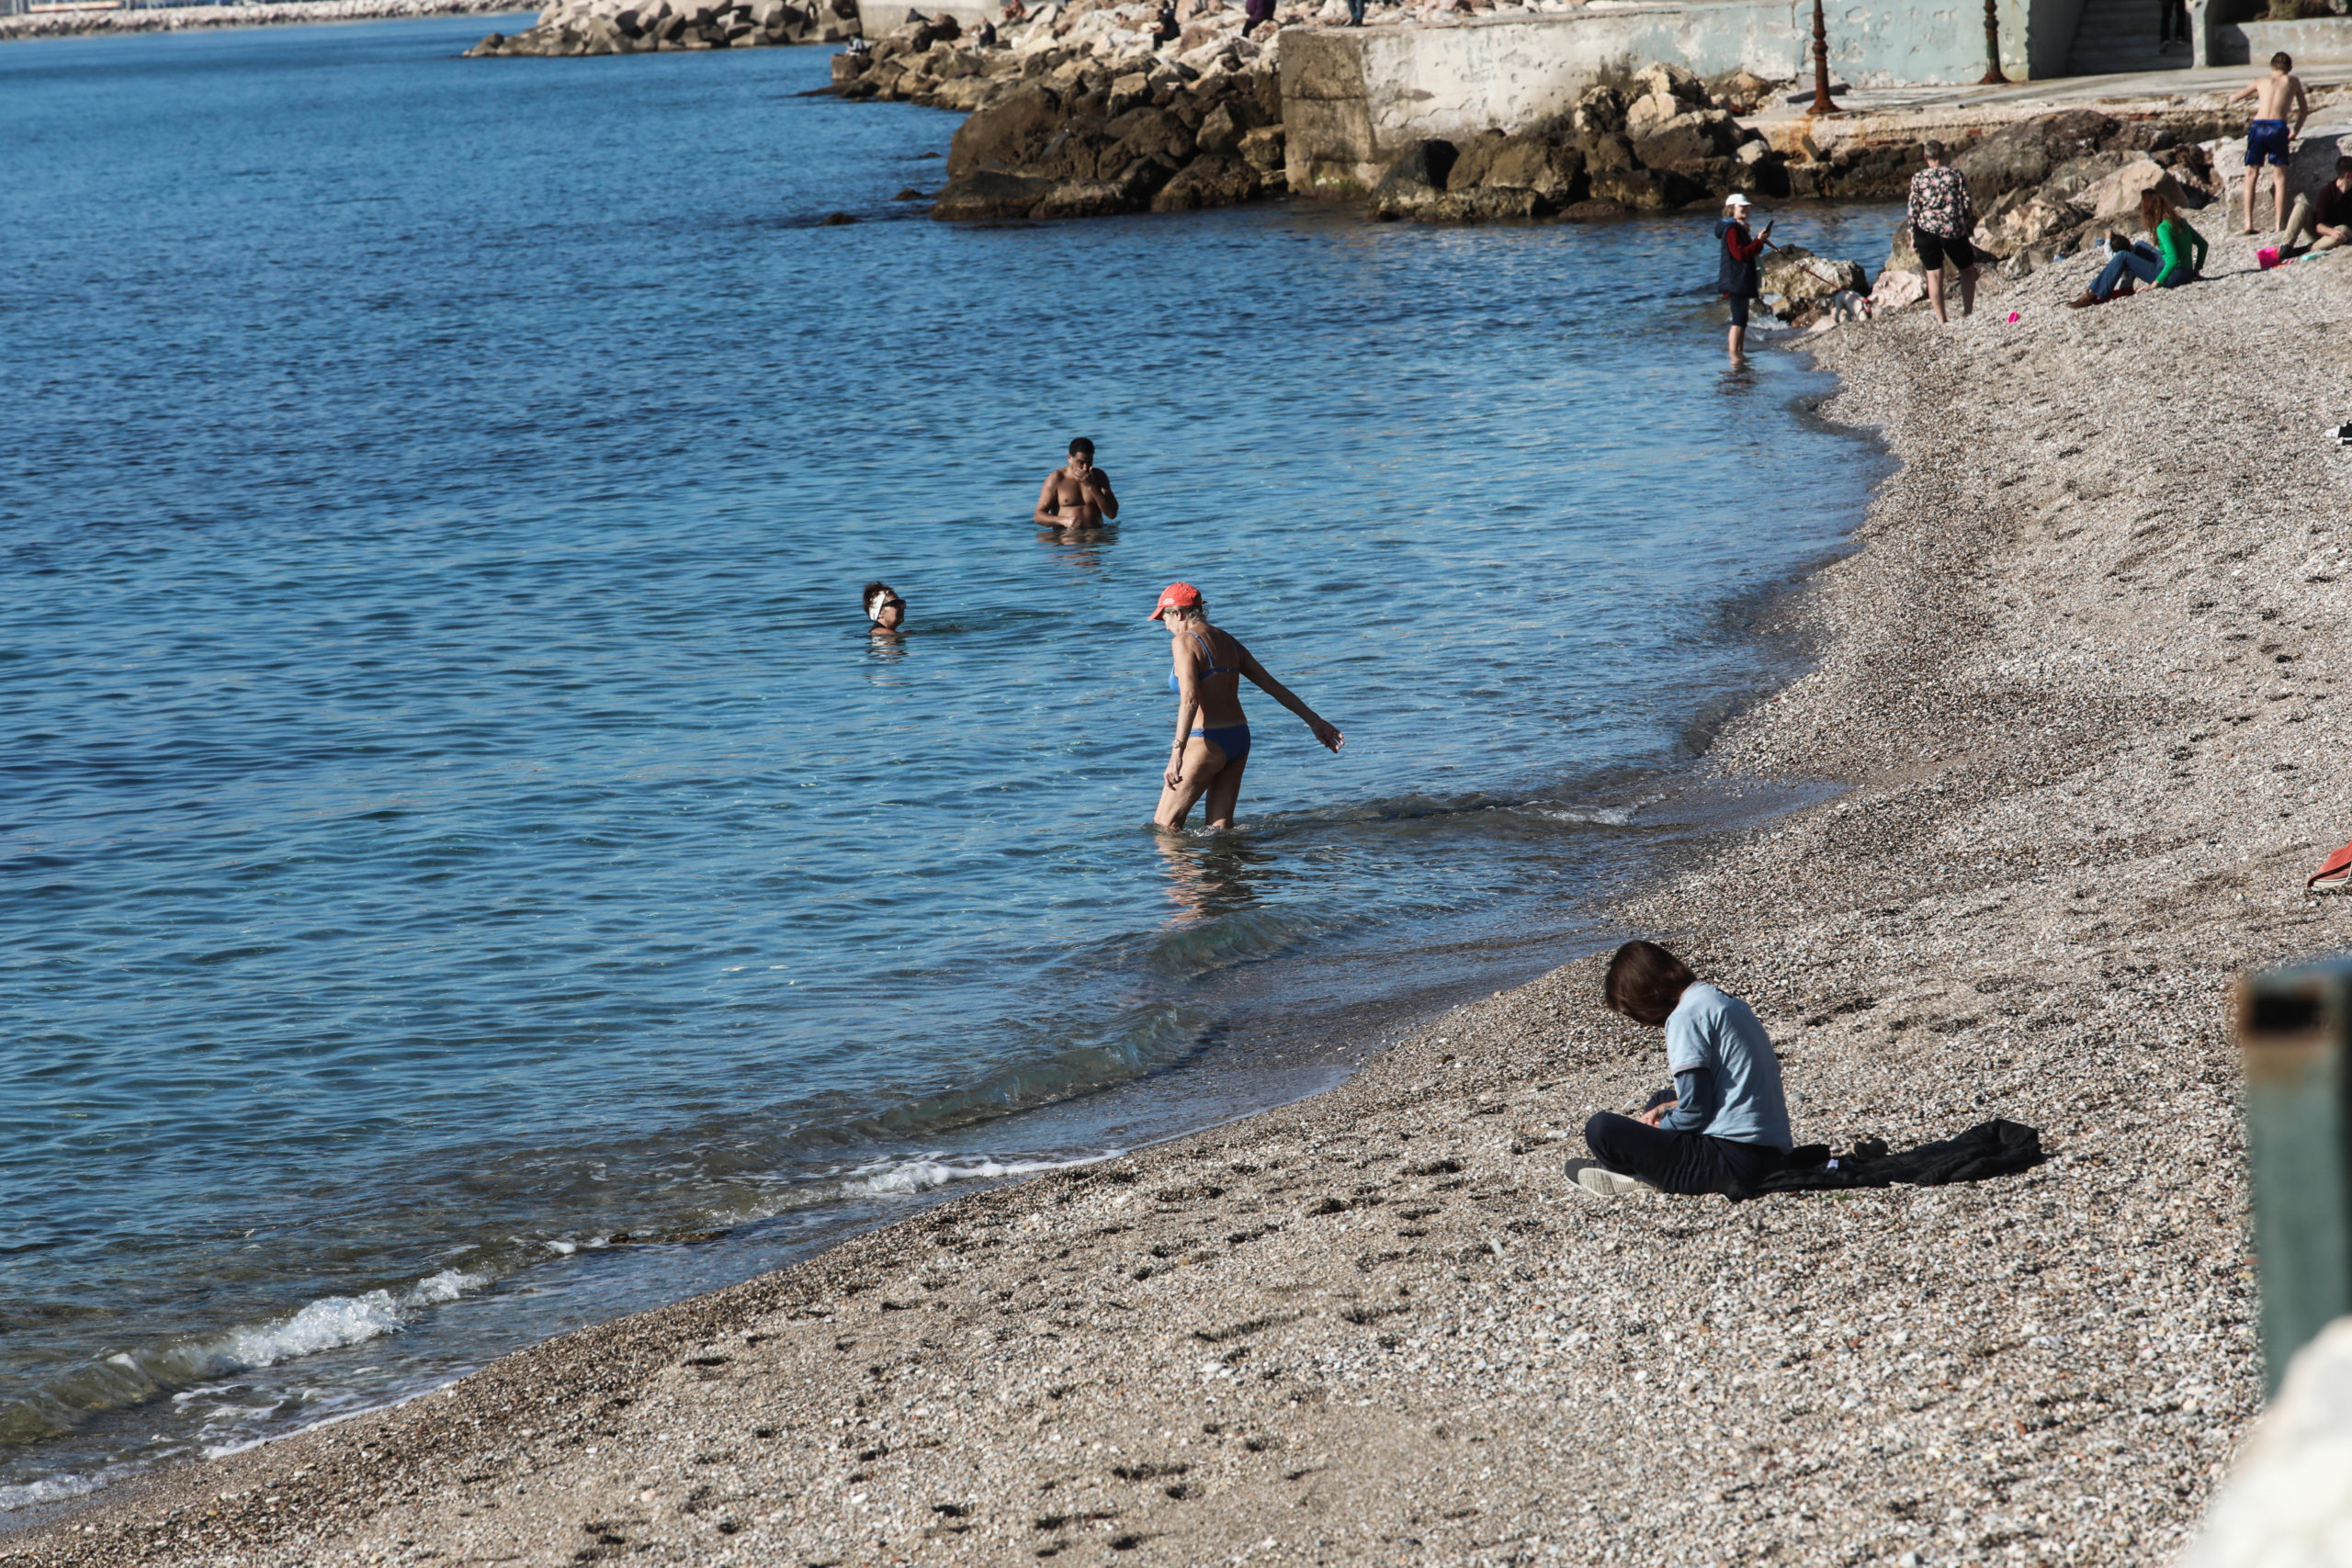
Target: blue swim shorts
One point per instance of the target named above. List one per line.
(2265, 142)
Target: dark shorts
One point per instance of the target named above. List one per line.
(2265, 142)
(1738, 309)
(1935, 250)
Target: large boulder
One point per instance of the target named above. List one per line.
(1644, 190)
(1214, 179)
(1537, 164)
(1600, 111)
(1151, 133)
(1007, 134)
(991, 193)
(1263, 149)
(1415, 182)
(2117, 197)
(1804, 281)
(1130, 191)
(2026, 153)
(1688, 139)
(1609, 152)
(1470, 159)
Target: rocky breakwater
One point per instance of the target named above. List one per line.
(1660, 140)
(647, 26)
(1077, 112)
(2048, 187)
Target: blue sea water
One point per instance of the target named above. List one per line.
(452, 826)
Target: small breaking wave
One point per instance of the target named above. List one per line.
(126, 1378)
(924, 1173)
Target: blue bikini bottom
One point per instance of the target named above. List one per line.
(1233, 739)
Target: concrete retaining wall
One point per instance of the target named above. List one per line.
(2324, 41)
(1353, 98)
(876, 17)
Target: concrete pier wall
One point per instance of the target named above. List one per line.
(1352, 99)
(876, 18)
(2320, 41)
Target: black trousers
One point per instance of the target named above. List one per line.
(1678, 1162)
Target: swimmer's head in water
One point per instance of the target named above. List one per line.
(1644, 981)
(1082, 454)
(1179, 598)
(883, 605)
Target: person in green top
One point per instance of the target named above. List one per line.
(2177, 256)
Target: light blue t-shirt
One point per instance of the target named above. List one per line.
(1709, 1030)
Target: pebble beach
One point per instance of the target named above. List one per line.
(2078, 678)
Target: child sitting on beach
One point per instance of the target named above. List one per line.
(2176, 258)
(1724, 1126)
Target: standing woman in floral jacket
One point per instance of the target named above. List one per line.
(1739, 278)
(1942, 219)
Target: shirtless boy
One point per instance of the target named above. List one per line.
(1077, 494)
(2268, 139)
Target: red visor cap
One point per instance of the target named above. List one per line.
(1176, 596)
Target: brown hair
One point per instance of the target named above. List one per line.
(2155, 210)
(2280, 61)
(1644, 981)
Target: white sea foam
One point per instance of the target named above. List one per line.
(446, 1286)
(51, 1489)
(1599, 816)
(921, 1173)
(328, 1323)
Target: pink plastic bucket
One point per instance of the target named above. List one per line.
(2267, 257)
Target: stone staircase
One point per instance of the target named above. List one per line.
(2115, 37)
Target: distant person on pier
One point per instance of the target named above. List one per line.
(2326, 218)
(2268, 139)
(884, 609)
(1943, 215)
(2176, 258)
(1212, 742)
(1167, 28)
(1077, 494)
(1255, 12)
(1725, 1124)
(1738, 278)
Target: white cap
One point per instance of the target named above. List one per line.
(1735, 199)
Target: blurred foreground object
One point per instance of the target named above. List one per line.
(2291, 1026)
(2288, 1501)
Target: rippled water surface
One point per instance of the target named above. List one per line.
(453, 826)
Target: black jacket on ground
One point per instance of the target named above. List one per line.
(1997, 1147)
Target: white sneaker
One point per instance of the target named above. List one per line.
(1595, 1179)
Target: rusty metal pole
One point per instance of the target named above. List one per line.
(1821, 101)
(2295, 1029)
(1992, 77)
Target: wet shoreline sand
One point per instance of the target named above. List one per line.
(2082, 674)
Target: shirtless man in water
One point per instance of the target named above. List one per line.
(2268, 138)
(1077, 494)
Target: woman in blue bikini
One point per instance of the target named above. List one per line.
(1212, 735)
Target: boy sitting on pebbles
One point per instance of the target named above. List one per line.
(1724, 1126)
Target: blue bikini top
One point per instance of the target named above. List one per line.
(1175, 682)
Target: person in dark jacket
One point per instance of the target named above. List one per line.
(1738, 276)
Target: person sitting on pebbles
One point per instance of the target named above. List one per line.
(1724, 1126)
(884, 609)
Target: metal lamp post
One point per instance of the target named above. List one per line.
(1993, 77)
(1822, 103)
